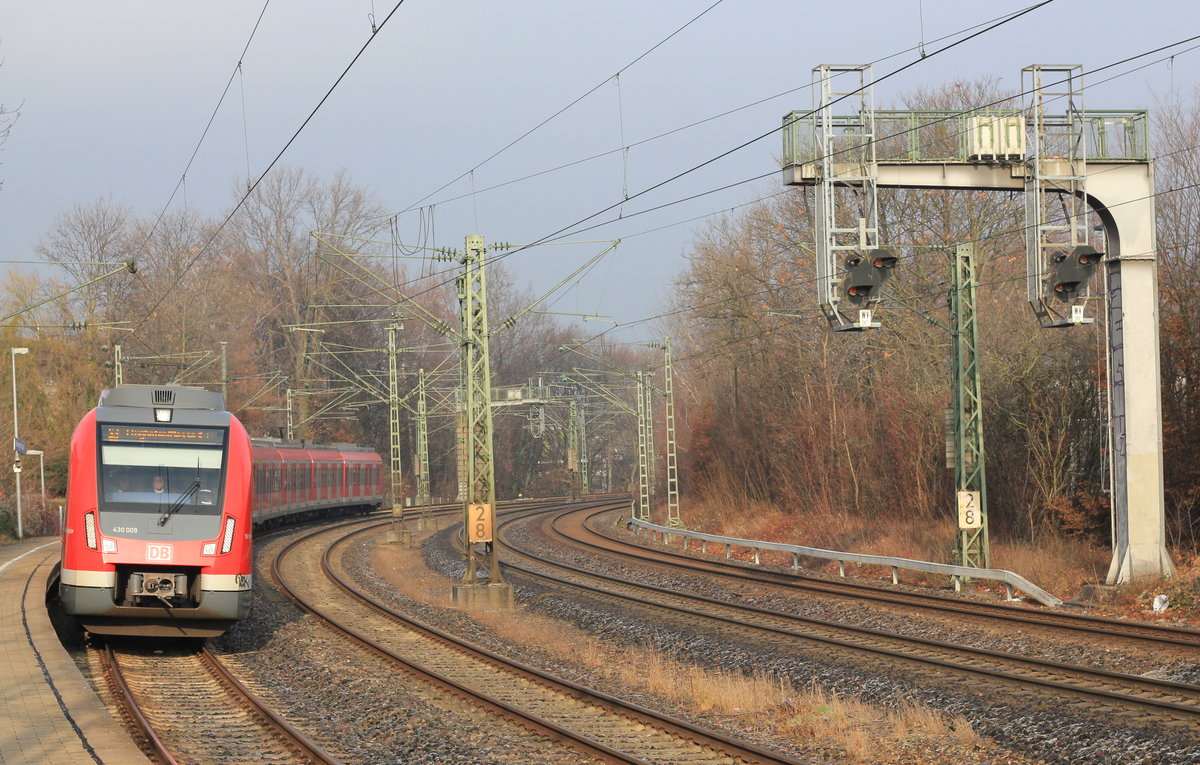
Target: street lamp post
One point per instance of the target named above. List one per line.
(14, 352)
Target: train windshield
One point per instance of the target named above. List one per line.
(154, 477)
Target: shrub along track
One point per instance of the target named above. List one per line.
(599, 725)
(1138, 700)
(184, 706)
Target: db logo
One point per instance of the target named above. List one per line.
(158, 553)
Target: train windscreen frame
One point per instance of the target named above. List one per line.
(152, 469)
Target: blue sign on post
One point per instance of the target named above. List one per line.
(18, 446)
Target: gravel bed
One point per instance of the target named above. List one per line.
(1115, 654)
(347, 702)
(358, 560)
(1053, 734)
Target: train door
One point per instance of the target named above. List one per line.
(310, 481)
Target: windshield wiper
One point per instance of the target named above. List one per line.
(162, 521)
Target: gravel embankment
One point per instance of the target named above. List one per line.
(357, 709)
(1054, 734)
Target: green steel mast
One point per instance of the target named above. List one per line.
(969, 476)
(477, 389)
(422, 466)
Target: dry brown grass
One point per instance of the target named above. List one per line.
(1058, 564)
(845, 729)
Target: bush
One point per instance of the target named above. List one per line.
(38, 518)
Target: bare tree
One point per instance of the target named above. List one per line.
(8, 118)
(86, 242)
(1177, 131)
(276, 256)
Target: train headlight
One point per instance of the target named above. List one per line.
(162, 415)
(108, 545)
(89, 529)
(227, 539)
(210, 548)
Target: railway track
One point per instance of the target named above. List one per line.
(579, 529)
(186, 707)
(593, 723)
(1138, 698)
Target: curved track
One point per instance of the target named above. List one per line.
(1138, 697)
(590, 722)
(580, 530)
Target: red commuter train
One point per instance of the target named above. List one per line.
(164, 491)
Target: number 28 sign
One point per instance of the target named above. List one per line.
(969, 516)
(479, 523)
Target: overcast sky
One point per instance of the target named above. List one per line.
(114, 96)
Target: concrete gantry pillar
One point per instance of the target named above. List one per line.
(1124, 200)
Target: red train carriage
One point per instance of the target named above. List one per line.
(295, 481)
(163, 492)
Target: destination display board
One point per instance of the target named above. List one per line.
(154, 434)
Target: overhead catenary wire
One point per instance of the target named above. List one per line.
(767, 174)
(574, 226)
(225, 222)
(626, 148)
(786, 191)
(279, 155)
(564, 109)
(802, 282)
(625, 216)
(995, 235)
(900, 133)
(181, 183)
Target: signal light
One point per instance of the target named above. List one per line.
(1071, 271)
(865, 275)
(883, 259)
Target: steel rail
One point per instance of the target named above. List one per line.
(699, 735)
(1188, 711)
(1086, 623)
(295, 739)
(448, 685)
(133, 709)
(268, 719)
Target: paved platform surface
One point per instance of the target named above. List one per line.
(48, 712)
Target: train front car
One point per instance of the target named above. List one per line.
(158, 529)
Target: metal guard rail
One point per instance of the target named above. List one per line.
(1011, 580)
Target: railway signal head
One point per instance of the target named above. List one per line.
(865, 275)
(1071, 270)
